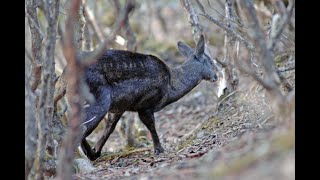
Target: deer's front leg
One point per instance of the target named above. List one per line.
(147, 118)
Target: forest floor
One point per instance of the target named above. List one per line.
(242, 140)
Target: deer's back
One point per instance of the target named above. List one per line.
(136, 80)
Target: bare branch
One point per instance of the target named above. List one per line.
(117, 6)
(73, 75)
(30, 129)
(278, 31)
(246, 43)
(58, 97)
(280, 7)
(60, 88)
(193, 19)
(224, 65)
(287, 69)
(284, 81)
(28, 54)
(270, 83)
(239, 24)
(254, 75)
(35, 24)
(131, 45)
(258, 35)
(160, 17)
(91, 57)
(36, 37)
(92, 21)
(35, 76)
(76, 63)
(81, 23)
(200, 6)
(45, 108)
(68, 37)
(230, 50)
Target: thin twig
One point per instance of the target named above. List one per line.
(220, 62)
(58, 96)
(282, 25)
(287, 69)
(240, 25)
(92, 21)
(265, 120)
(254, 75)
(246, 43)
(233, 92)
(251, 60)
(289, 40)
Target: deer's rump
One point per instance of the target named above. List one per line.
(136, 81)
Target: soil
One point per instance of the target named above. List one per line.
(242, 139)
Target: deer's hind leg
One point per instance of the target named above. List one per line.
(94, 114)
(112, 121)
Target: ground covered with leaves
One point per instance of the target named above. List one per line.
(241, 139)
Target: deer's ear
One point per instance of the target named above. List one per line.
(184, 49)
(200, 46)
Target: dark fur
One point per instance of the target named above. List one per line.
(125, 81)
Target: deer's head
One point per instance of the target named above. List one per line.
(200, 59)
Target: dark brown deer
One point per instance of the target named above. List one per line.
(125, 81)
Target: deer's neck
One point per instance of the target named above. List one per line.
(183, 80)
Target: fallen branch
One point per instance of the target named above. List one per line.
(230, 94)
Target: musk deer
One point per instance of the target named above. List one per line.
(125, 81)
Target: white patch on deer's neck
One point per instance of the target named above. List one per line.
(222, 83)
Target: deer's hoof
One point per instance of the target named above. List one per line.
(94, 155)
(158, 150)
